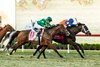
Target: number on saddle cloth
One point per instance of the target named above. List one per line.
(33, 35)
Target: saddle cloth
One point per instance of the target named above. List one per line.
(33, 35)
(60, 37)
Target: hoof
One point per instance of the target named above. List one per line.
(10, 53)
(31, 56)
(21, 57)
(37, 57)
(61, 56)
(45, 58)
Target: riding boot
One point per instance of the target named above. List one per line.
(38, 34)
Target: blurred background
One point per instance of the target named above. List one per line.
(19, 13)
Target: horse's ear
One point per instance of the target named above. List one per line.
(57, 24)
(79, 23)
(7, 24)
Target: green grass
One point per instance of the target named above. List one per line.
(24, 59)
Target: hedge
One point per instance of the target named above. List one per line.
(85, 46)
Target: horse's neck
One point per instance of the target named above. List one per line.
(2, 33)
(53, 31)
(75, 30)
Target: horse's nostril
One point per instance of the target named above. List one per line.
(89, 33)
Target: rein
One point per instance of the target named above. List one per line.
(49, 32)
(83, 29)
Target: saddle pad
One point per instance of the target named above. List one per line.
(31, 35)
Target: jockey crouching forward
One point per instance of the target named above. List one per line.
(36, 30)
(68, 23)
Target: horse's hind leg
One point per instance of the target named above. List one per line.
(15, 48)
(42, 50)
(12, 51)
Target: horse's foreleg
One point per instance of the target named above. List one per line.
(39, 47)
(52, 47)
(42, 50)
(82, 50)
(75, 46)
(44, 54)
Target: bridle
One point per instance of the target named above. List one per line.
(84, 29)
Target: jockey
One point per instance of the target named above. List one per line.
(39, 25)
(68, 23)
(30, 25)
(45, 22)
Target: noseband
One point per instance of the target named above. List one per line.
(84, 29)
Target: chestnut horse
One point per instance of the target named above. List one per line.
(7, 28)
(46, 40)
(71, 39)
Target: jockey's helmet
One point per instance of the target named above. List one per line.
(71, 20)
(49, 19)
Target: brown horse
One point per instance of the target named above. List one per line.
(69, 40)
(7, 28)
(46, 40)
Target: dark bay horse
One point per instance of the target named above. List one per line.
(71, 39)
(46, 40)
(74, 30)
(7, 28)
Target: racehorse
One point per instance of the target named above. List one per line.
(7, 28)
(46, 40)
(71, 39)
(74, 30)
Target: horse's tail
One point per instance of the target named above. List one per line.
(10, 36)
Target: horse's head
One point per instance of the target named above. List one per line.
(8, 27)
(84, 29)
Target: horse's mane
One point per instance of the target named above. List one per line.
(52, 26)
(7, 25)
(80, 24)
